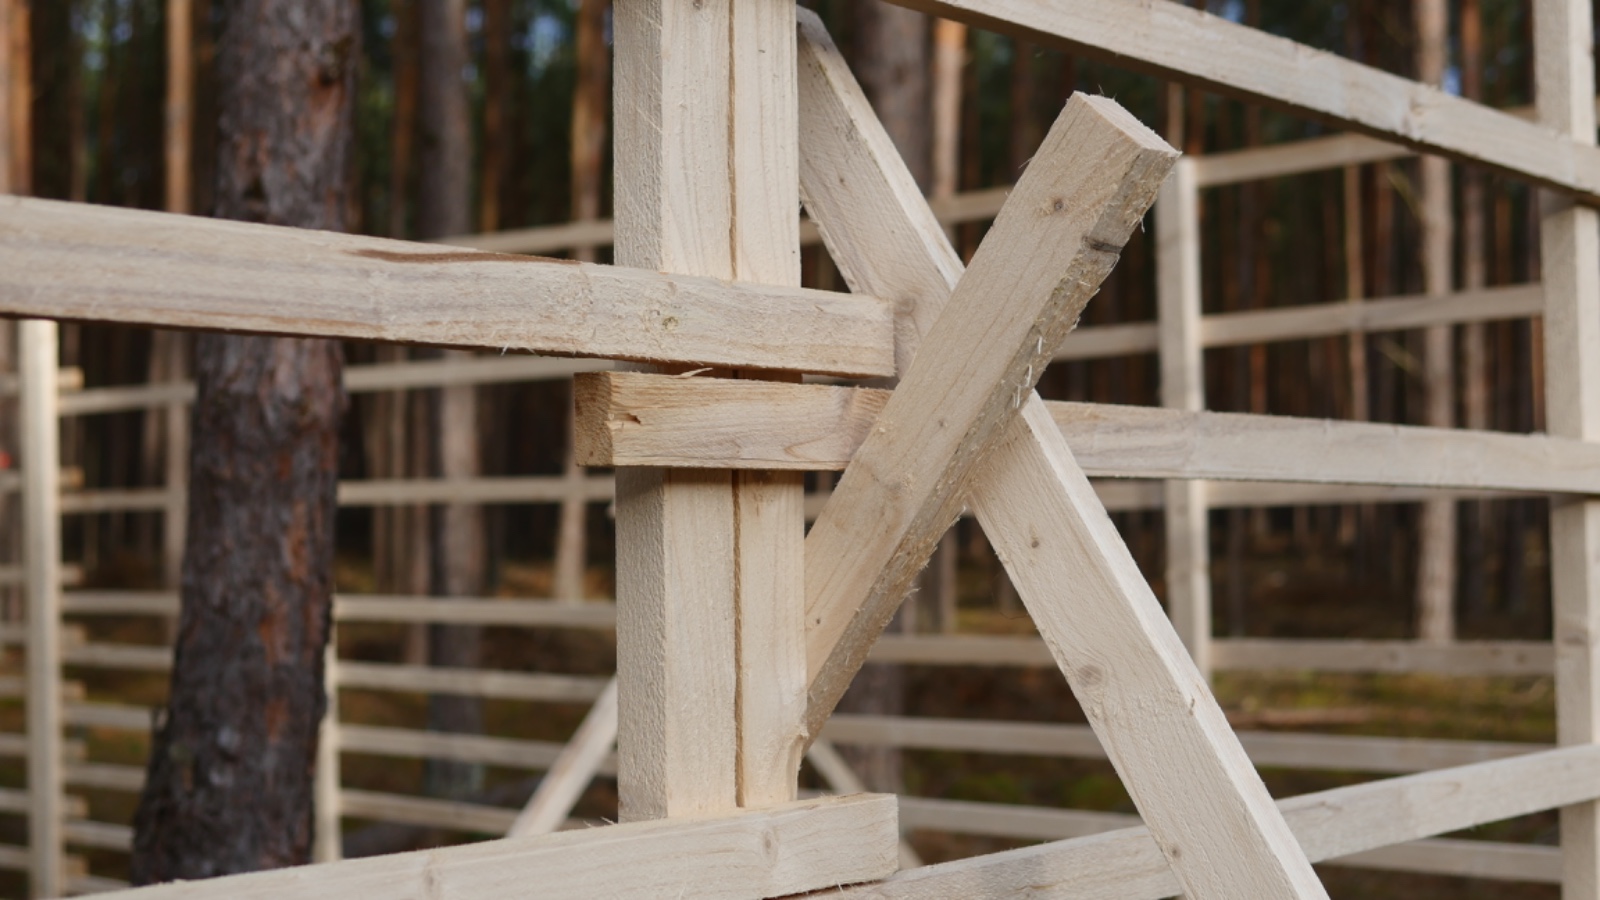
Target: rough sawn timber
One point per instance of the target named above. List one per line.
(1177, 42)
(788, 849)
(630, 419)
(97, 264)
(1128, 865)
(1056, 240)
(1188, 775)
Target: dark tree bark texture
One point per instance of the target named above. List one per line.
(229, 787)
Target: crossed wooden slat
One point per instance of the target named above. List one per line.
(964, 425)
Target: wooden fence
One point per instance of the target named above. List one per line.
(1181, 459)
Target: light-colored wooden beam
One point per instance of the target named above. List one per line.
(677, 607)
(247, 277)
(1254, 855)
(1058, 237)
(41, 538)
(769, 506)
(580, 761)
(1569, 248)
(789, 849)
(1179, 42)
(1185, 517)
(1128, 865)
(629, 419)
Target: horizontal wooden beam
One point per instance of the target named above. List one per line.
(635, 419)
(1266, 749)
(1127, 864)
(787, 849)
(1174, 41)
(98, 264)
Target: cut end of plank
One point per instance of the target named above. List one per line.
(591, 419)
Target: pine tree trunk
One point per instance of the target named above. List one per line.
(229, 784)
(458, 543)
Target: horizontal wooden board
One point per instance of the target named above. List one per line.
(97, 264)
(634, 419)
(1178, 42)
(788, 849)
(1127, 865)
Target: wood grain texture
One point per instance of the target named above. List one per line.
(788, 849)
(1128, 865)
(769, 506)
(677, 602)
(630, 419)
(1569, 245)
(1163, 731)
(1176, 41)
(1253, 854)
(1057, 238)
(263, 279)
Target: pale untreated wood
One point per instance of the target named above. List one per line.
(1262, 859)
(769, 507)
(471, 748)
(542, 687)
(1569, 248)
(630, 419)
(41, 517)
(259, 278)
(580, 760)
(1057, 238)
(1184, 513)
(1127, 864)
(1181, 43)
(793, 848)
(677, 661)
(1265, 748)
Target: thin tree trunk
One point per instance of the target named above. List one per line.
(405, 114)
(497, 96)
(233, 757)
(1436, 565)
(458, 546)
(589, 123)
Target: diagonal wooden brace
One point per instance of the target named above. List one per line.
(1162, 728)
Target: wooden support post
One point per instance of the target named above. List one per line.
(1570, 249)
(769, 507)
(328, 843)
(1183, 387)
(676, 607)
(41, 520)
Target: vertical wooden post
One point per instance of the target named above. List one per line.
(1436, 566)
(1188, 538)
(179, 141)
(769, 507)
(1570, 246)
(676, 663)
(328, 844)
(41, 517)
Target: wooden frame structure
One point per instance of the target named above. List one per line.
(697, 748)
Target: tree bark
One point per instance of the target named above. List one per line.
(891, 59)
(233, 757)
(458, 543)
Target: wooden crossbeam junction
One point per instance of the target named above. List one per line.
(630, 419)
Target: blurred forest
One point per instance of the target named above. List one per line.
(968, 108)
